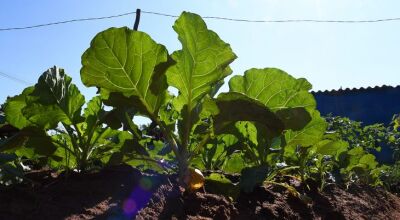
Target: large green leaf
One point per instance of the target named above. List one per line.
(283, 94)
(219, 184)
(217, 151)
(130, 62)
(30, 137)
(331, 147)
(235, 107)
(40, 142)
(274, 88)
(122, 112)
(201, 63)
(13, 109)
(54, 99)
(310, 134)
(93, 113)
(45, 116)
(200, 66)
(294, 118)
(93, 108)
(369, 160)
(16, 141)
(247, 131)
(235, 163)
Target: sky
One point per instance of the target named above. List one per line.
(329, 55)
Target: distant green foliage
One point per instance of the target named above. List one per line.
(393, 136)
(360, 165)
(391, 178)
(367, 137)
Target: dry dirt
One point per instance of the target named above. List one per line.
(123, 193)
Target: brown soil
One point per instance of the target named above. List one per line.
(123, 193)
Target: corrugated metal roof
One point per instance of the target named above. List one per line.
(355, 90)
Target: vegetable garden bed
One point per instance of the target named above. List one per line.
(269, 149)
(123, 193)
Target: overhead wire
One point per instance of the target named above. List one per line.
(281, 21)
(66, 21)
(15, 79)
(205, 17)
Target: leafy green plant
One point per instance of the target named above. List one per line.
(368, 137)
(11, 171)
(217, 152)
(51, 124)
(391, 178)
(358, 164)
(333, 159)
(393, 136)
(132, 64)
(361, 167)
(134, 72)
(290, 99)
(319, 160)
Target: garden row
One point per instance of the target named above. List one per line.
(266, 127)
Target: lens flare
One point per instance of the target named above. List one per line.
(130, 206)
(138, 198)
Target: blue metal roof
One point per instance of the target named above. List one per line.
(368, 105)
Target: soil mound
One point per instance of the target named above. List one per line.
(124, 193)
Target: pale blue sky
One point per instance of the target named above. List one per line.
(328, 55)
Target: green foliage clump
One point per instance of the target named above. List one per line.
(265, 127)
(11, 170)
(367, 137)
(52, 125)
(364, 140)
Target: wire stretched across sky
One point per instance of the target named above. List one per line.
(282, 20)
(205, 17)
(15, 79)
(66, 21)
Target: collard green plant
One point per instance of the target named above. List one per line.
(289, 98)
(361, 167)
(130, 65)
(134, 69)
(318, 162)
(49, 116)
